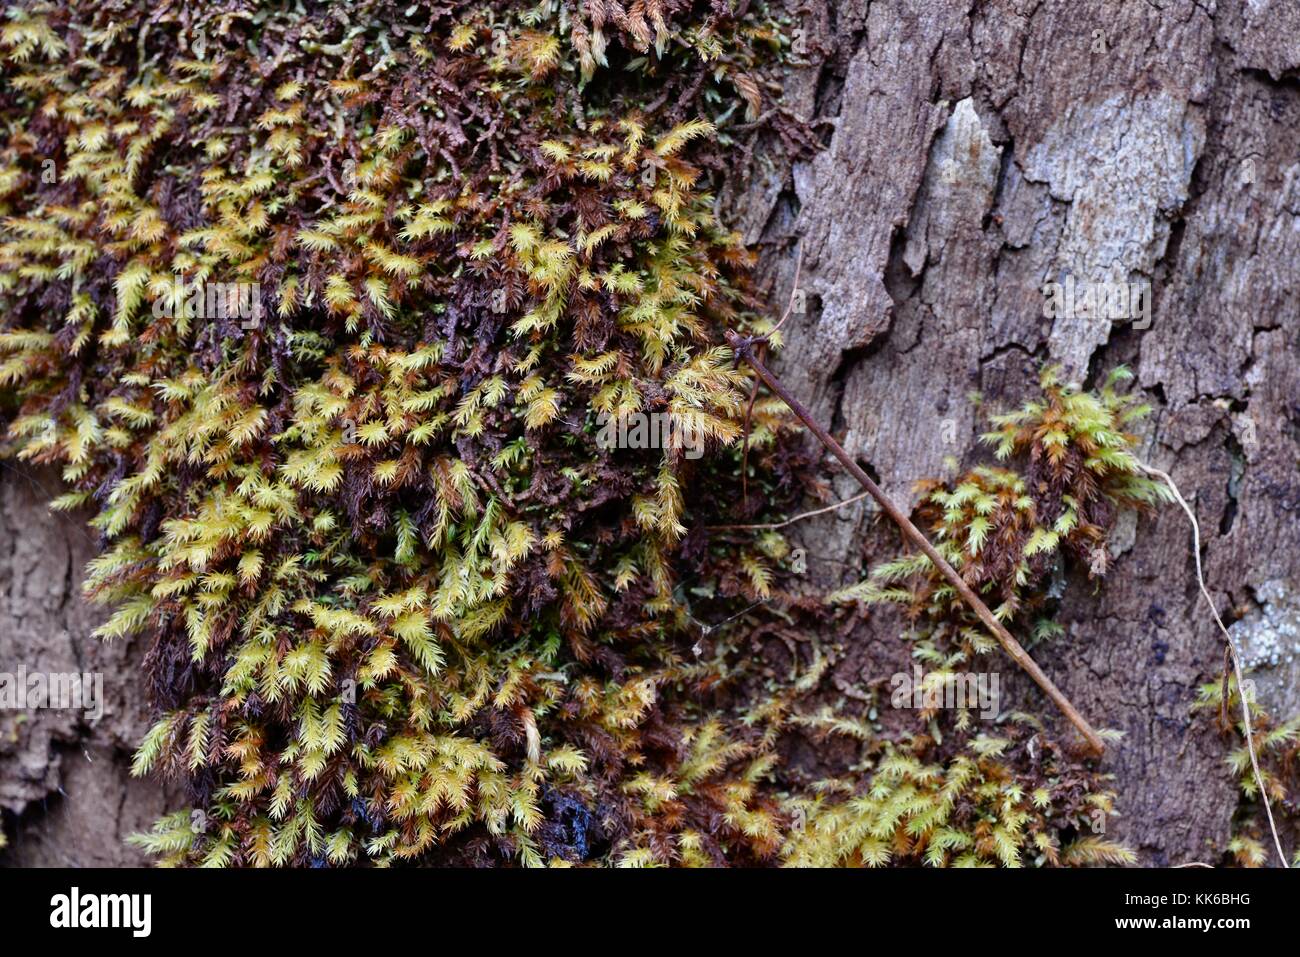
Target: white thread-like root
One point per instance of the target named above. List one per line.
(1232, 647)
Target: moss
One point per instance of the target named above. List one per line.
(957, 794)
(1277, 744)
(401, 604)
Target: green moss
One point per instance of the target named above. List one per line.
(1277, 747)
(961, 796)
(973, 807)
(401, 604)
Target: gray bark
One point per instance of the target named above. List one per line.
(976, 150)
(65, 785)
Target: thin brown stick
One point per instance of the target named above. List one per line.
(744, 350)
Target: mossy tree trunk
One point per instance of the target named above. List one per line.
(973, 149)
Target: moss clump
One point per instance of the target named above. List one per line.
(1277, 745)
(973, 807)
(955, 795)
(400, 603)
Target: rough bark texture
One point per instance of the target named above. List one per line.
(65, 788)
(974, 149)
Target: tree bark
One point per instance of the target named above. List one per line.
(972, 151)
(976, 149)
(65, 787)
